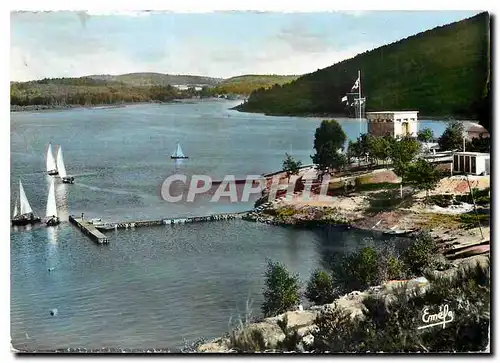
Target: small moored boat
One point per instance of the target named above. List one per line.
(178, 154)
(23, 213)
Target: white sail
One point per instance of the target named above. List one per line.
(51, 163)
(51, 201)
(16, 211)
(178, 152)
(60, 164)
(25, 205)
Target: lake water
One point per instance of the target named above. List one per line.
(152, 287)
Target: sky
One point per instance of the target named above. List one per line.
(219, 44)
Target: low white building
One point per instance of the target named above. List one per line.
(393, 123)
(469, 162)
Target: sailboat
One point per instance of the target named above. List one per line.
(178, 154)
(62, 169)
(51, 162)
(51, 218)
(23, 214)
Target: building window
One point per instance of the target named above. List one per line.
(467, 164)
(473, 165)
(455, 163)
(462, 163)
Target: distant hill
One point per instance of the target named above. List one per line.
(440, 72)
(128, 88)
(158, 79)
(246, 84)
(88, 91)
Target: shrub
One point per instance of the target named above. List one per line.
(367, 267)
(247, 340)
(471, 220)
(319, 289)
(421, 254)
(481, 197)
(284, 212)
(441, 200)
(292, 337)
(282, 290)
(391, 267)
(337, 331)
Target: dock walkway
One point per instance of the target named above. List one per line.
(89, 230)
(93, 232)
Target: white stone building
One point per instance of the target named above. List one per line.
(471, 163)
(393, 123)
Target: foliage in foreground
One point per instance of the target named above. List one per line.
(282, 290)
(371, 266)
(389, 324)
(320, 288)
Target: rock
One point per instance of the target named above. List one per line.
(295, 318)
(271, 333)
(213, 347)
(308, 340)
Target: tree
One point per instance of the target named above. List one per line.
(319, 289)
(328, 139)
(329, 131)
(353, 151)
(425, 135)
(402, 152)
(453, 137)
(423, 175)
(291, 166)
(328, 157)
(282, 290)
(380, 147)
(480, 144)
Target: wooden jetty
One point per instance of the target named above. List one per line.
(93, 232)
(89, 230)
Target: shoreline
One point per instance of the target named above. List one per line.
(353, 210)
(38, 108)
(33, 108)
(446, 118)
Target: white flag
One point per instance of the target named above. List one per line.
(344, 99)
(356, 85)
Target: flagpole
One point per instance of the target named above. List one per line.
(359, 90)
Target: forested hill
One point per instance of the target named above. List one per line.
(133, 87)
(246, 84)
(158, 79)
(85, 91)
(440, 72)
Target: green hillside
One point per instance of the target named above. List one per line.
(246, 84)
(157, 79)
(440, 72)
(60, 92)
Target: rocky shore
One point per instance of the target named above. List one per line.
(304, 319)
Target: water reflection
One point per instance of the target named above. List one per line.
(178, 165)
(52, 247)
(336, 242)
(293, 247)
(62, 200)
